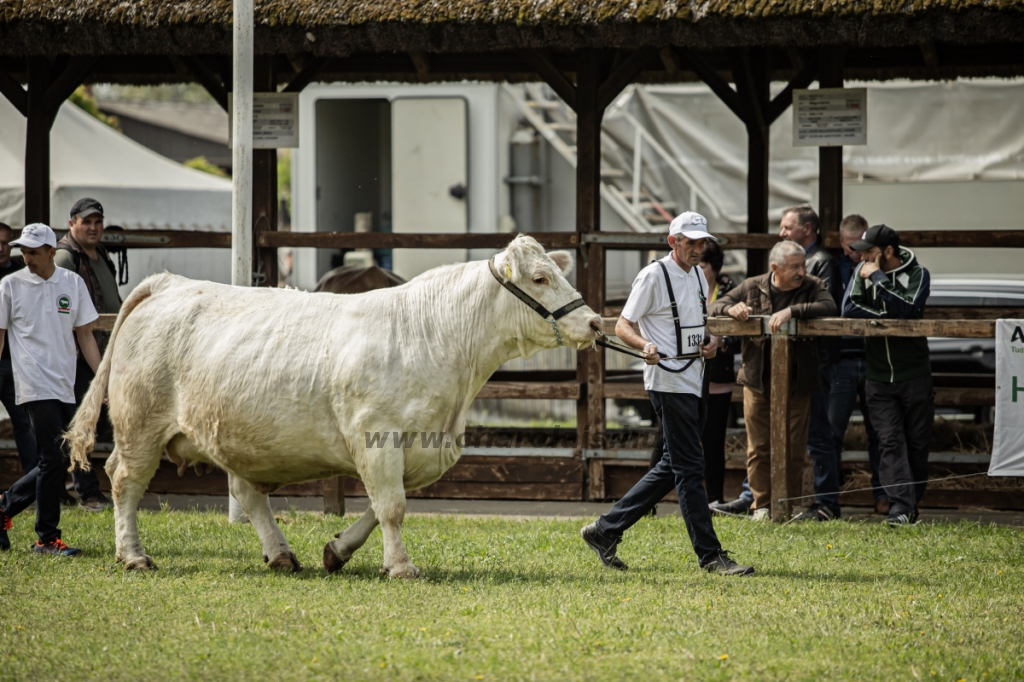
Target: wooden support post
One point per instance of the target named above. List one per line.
(334, 495)
(37, 143)
(830, 159)
(750, 71)
(264, 187)
(781, 466)
(590, 277)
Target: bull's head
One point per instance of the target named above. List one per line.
(541, 277)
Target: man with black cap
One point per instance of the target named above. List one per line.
(80, 252)
(668, 301)
(43, 308)
(890, 283)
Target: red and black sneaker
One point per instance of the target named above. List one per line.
(55, 547)
(5, 525)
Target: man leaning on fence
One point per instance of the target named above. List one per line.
(668, 301)
(786, 293)
(80, 252)
(890, 283)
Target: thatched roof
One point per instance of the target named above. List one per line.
(339, 27)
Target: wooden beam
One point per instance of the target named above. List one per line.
(65, 84)
(264, 187)
(313, 68)
(784, 99)
(334, 495)
(623, 75)
(781, 464)
(208, 79)
(550, 74)
(750, 71)
(15, 94)
(161, 239)
(388, 240)
(954, 313)
(961, 329)
(996, 239)
(830, 159)
(37, 142)
(558, 390)
(718, 85)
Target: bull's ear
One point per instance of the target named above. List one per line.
(563, 259)
(507, 266)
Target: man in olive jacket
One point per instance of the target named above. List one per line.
(786, 293)
(890, 283)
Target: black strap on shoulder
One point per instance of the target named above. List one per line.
(675, 317)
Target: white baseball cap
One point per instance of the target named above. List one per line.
(691, 225)
(35, 235)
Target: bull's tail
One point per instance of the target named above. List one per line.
(81, 434)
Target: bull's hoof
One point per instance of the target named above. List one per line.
(286, 562)
(332, 560)
(140, 563)
(403, 571)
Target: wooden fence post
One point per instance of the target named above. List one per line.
(780, 441)
(334, 495)
(830, 159)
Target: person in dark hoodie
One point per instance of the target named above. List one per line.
(890, 283)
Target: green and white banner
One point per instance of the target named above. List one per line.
(1008, 446)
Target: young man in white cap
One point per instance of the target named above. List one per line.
(42, 309)
(669, 302)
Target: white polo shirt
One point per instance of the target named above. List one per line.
(649, 306)
(40, 317)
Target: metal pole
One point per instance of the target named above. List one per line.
(241, 176)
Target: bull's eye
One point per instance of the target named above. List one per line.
(540, 279)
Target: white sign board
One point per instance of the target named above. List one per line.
(275, 120)
(1008, 444)
(830, 117)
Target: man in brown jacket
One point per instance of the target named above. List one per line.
(786, 293)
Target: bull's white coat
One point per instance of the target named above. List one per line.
(279, 386)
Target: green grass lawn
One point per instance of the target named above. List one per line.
(518, 600)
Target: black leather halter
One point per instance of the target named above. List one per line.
(555, 315)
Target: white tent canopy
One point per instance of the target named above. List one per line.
(139, 189)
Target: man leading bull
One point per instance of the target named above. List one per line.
(669, 302)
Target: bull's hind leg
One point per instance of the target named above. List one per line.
(338, 552)
(130, 470)
(256, 506)
(386, 489)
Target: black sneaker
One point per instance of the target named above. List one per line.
(55, 547)
(95, 504)
(900, 520)
(604, 547)
(738, 507)
(723, 565)
(5, 525)
(817, 512)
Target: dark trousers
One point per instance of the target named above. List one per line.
(681, 467)
(713, 439)
(86, 484)
(821, 445)
(848, 380)
(903, 412)
(24, 439)
(43, 485)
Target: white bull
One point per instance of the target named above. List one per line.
(279, 386)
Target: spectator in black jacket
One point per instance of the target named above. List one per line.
(800, 224)
(719, 379)
(890, 283)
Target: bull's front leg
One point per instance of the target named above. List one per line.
(276, 552)
(384, 485)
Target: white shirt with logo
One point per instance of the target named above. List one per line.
(40, 317)
(649, 306)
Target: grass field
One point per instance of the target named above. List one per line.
(504, 599)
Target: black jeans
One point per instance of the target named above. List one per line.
(24, 439)
(86, 484)
(713, 440)
(682, 468)
(44, 484)
(821, 445)
(903, 413)
(847, 387)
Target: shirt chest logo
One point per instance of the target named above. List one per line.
(63, 305)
